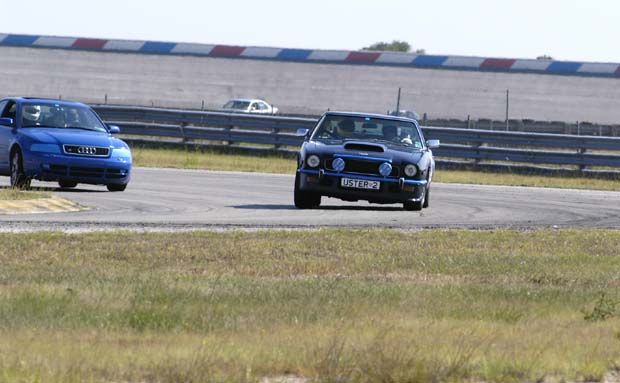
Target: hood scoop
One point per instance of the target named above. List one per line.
(364, 147)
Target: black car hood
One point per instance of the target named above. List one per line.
(395, 153)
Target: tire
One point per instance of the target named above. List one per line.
(116, 187)
(18, 178)
(67, 184)
(427, 196)
(305, 199)
(416, 205)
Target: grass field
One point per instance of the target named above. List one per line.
(15, 194)
(329, 306)
(217, 160)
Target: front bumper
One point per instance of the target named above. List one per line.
(87, 170)
(392, 190)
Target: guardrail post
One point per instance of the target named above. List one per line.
(477, 160)
(182, 130)
(228, 129)
(582, 151)
(276, 130)
(182, 124)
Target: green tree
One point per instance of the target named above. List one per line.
(544, 57)
(394, 46)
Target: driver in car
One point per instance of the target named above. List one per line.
(345, 128)
(31, 115)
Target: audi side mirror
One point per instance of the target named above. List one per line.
(114, 129)
(432, 144)
(302, 132)
(6, 121)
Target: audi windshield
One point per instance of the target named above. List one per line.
(60, 116)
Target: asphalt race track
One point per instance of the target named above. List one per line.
(171, 199)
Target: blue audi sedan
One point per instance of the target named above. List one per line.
(60, 141)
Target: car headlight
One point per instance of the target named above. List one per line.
(45, 148)
(411, 170)
(313, 161)
(122, 152)
(338, 164)
(385, 169)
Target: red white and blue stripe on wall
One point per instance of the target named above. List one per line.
(319, 56)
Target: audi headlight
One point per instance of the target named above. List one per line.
(411, 170)
(45, 148)
(122, 153)
(313, 161)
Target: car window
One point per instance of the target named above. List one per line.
(237, 104)
(336, 127)
(10, 110)
(263, 106)
(2, 106)
(60, 116)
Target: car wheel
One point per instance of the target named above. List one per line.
(305, 199)
(67, 184)
(427, 195)
(415, 205)
(18, 178)
(116, 187)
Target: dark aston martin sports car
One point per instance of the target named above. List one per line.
(355, 156)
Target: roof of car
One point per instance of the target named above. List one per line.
(246, 99)
(46, 101)
(371, 115)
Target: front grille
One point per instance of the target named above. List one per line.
(60, 170)
(86, 150)
(84, 172)
(362, 167)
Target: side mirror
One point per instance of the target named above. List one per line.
(114, 129)
(6, 121)
(432, 144)
(302, 132)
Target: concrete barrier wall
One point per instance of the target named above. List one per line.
(413, 60)
(302, 88)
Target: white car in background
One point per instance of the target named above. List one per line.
(247, 105)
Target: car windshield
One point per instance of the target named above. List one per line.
(340, 128)
(60, 116)
(237, 104)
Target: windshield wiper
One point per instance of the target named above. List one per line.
(82, 127)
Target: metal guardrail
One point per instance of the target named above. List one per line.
(579, 128)
(482, 149)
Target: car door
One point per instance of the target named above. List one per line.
(7, 109)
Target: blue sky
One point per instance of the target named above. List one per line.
(563, 29)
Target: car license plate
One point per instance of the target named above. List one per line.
(360, 184)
